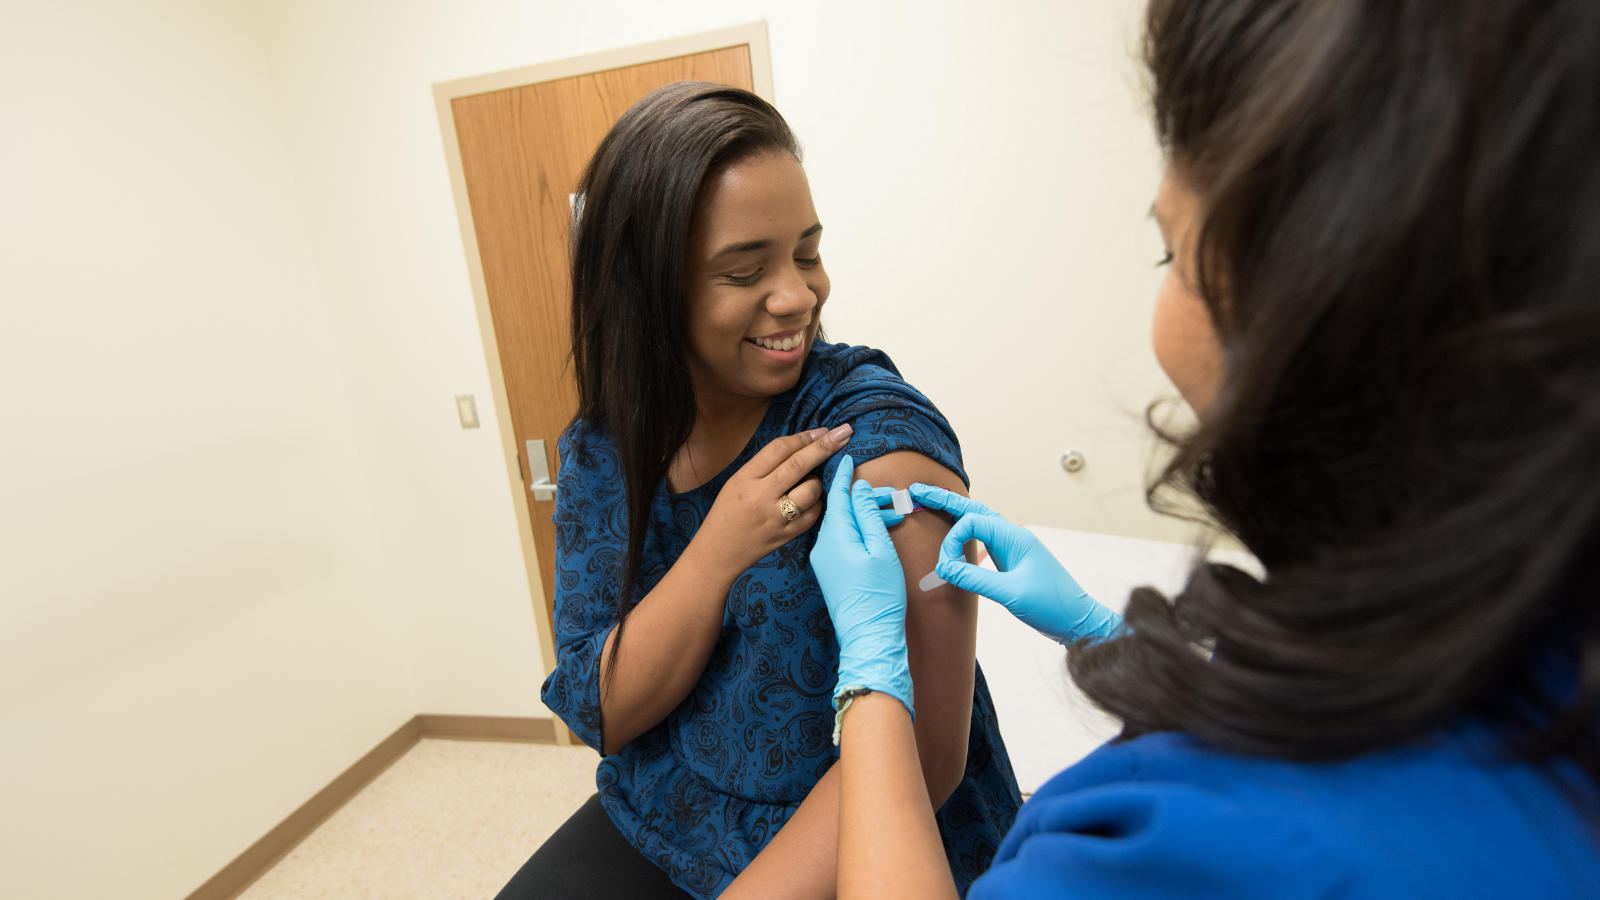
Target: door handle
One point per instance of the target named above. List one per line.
(539, 472)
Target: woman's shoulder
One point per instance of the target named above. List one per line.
(835, 372)
(861, 386)
(1422, 820)
(841, 383)
(583, 434)
(587, 458)
(588, 444)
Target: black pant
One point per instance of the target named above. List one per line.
(589, 859)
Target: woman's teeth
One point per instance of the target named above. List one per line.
(786, 344)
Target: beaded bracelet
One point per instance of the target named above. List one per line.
(841, 702)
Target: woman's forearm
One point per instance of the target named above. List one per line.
(801, 860)
(888, 840)
(668, 641)
(669, 636)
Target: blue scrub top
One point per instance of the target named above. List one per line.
(1161, 816)
(702, 793)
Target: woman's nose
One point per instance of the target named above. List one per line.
(792, 296)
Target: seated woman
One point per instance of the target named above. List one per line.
(689, 488)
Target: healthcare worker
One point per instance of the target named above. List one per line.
(1383, 219)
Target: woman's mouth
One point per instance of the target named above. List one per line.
(781, 348)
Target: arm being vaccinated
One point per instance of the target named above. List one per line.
(1029, 582)
(889, 845)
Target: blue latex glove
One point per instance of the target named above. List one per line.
(865, 589)
(1031, 582)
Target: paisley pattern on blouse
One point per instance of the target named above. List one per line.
(702, 792)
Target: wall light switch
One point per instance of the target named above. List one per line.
(467, 409)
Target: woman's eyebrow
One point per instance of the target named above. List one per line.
(747, 246)
(744, 247)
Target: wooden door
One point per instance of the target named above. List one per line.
(522, 152)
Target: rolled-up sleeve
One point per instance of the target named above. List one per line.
(888, 417)
(590, 546)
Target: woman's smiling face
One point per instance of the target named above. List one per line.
(755, 282)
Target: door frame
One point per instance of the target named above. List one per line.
(752, 33)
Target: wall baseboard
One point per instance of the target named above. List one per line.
(261, 856)
(506, 729)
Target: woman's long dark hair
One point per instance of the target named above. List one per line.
(1401, 250)
(632, 234)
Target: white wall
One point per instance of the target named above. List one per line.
(194, 630)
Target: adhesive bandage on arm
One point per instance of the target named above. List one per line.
(902, 502)
(903, 506)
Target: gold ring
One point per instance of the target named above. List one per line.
(788, 508)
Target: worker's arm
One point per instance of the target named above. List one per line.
(889, 843)
(941, 631)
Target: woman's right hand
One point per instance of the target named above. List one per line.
(1030, 581)
(746, 521)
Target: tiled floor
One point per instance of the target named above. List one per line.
(451, 820)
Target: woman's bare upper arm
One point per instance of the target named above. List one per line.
(944, 619)
(941, 624)
(902, 469)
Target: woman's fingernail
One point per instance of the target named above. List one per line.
(841, 434)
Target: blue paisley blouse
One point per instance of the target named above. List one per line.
(703, 791)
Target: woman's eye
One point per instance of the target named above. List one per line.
(809, 263)
(1165, 260)
(742, 280)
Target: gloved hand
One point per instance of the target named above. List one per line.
(883, 498)
(865, 589)
(1031, 582)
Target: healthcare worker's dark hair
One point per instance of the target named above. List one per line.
(1400, 248)
(629, 246)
